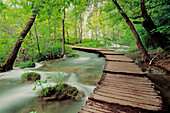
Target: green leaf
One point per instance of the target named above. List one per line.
(48, 77)
(34, 88)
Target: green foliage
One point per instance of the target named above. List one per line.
(72, 55)
(47, 91)
(91, 44)
(51, 53)
(31, 76)
(100, 21)
(33, 112)
(59, 78)
(40, 82)
(27, 64)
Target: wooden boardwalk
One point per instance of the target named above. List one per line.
(123, 87)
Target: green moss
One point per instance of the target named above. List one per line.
(61, 92)
(27, 64)
(31, 76)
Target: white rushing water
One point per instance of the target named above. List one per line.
(20, 98)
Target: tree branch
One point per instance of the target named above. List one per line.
(137, 22)
(135, 17)
(166, 2)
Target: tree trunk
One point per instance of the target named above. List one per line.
(75, 32)
(81, 29)
(7, 47)
(103, 33)
(36, 35)
(68, 37)
(49, 31)
(96, 35)
(8, 64)
(157, 37)
(32, 59)
(54, 34)
(63, 51)
(92, 35)
(138, 41)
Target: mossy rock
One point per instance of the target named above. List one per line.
(61, 92)
(31, 76)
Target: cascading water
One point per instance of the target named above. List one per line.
(82, 72)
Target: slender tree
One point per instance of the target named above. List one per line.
(138, 41)
(81, 28)
(36, 35)
(63, 51)
(8, 64)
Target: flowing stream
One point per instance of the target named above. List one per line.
(82, 72)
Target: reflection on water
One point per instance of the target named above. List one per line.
(83, 72)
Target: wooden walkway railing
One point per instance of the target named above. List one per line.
(123, 87)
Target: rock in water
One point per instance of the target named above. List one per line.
(61, 92)
(31, 76)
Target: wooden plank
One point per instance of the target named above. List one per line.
(99, 105)
(123, 67)
(91, 110)
(136, 91)
(116, 83)
(103, 98)
(97, 109)
(128, 81)
(118, 58)
(127, 86)
(82, 111)
(126, 96)
(111, 52)
(133, 77)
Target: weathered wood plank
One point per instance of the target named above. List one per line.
(103, 98)
(127, 77)
(118, 58)
(136, 91)
(111, 52)
(128, 81)
(83, 111)
(99, 105)
(130, 97)
(92, 110)
(123, 67)
(99, 109)
(115, 84)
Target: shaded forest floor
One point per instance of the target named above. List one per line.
(160, 61)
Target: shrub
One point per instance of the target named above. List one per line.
(27, 64)
(72, 55)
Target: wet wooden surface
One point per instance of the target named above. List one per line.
(123, 87)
